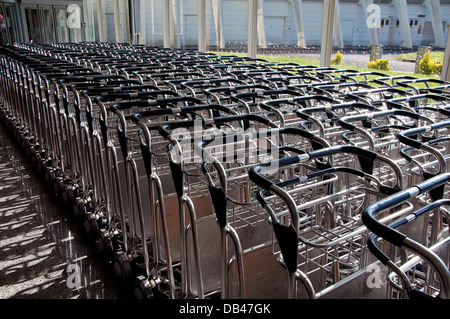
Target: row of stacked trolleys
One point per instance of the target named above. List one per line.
(200, 175)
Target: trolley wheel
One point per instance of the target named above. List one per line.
(68, 196)
(34, 157)
(49, 175)
(105, 245)
(41, 166)
(122, 268)
(28, 149)
(79, 209)
(142, 288)
(58, 185)
(24, 142)
(91, 226)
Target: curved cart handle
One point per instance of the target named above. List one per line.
(392, 79)
(256, 171)
(124, 95)
(390, 234)
(346, 122)
(305, 112)
(117, 89)
(316, 143)
(164, 129)
(94, 77)
(287, 235)
(395, 102)
(238, 96)
(366, 159)
(439, 89)
(404, 137)
(405, 83)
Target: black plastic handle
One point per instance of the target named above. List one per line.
(391, 235)
(404, 136)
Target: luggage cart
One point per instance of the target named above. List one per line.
(315, 214)
(419, 262)
(377, 131)
(182, 161)
(425, 150)
(104, 122)
(82, 145)
(322, 119)
(147, 173)
(429, 84)
(95, 220)
(431, 105)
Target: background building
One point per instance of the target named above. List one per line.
(401, 23)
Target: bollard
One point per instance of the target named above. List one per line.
(421, 51)
(376, 52)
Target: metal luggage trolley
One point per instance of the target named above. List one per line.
(236, 209)
(414, 248)
(159, 186)
(222, 95)
(322, 119)
(19, 90)
(230, 191)
(79, 142)
(100, 120)
(433, 106)
(315, 210)
(377, 131)
(428, 82)
(287, 109)
(425, 150)
(120, 90)
(45, 120)
(147, 173)
(14, 100)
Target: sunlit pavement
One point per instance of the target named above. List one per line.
(38, 241)
(357, 56)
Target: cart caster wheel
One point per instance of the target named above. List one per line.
(122, 268)
(68, 196)
(142, 288)
(79, 209)
(58, 185)
(41, 167)
(91, 226)
(35, 158)
(24, 142)
(105, 245)
(29, 150)
(49, 175)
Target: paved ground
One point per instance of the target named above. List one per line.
(358, 56)
(361, 59)
(38, 241)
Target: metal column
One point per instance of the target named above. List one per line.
(201, 14)
(327, 32)
(252, 27)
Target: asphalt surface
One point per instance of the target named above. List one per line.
(361, 60)
(357, 56)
